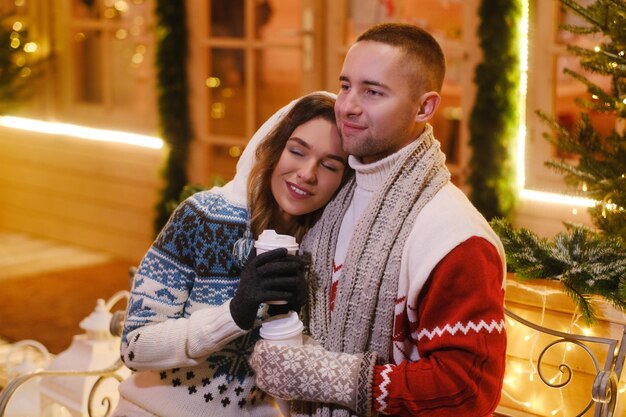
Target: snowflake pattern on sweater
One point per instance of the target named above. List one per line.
(188, 355)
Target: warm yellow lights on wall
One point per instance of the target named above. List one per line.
(81, 132)
(523, 390)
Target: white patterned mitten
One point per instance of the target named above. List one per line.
(311, 373)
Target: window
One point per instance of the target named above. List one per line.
(552, 91)
(99, 69)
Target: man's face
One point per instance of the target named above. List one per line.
(377, 104)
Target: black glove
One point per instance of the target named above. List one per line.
(271, 276)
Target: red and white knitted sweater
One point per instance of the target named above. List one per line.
(449, 341)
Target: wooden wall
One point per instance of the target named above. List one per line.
(99, 195)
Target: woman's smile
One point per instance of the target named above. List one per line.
(296, 191)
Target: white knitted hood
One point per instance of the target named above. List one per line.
(235, 191)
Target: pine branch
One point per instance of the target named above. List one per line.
(583, 12)
(586, 263)
(605, 101)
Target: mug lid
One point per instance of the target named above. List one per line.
(269, 238)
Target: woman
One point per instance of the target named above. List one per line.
(193, 315)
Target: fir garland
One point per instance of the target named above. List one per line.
(585, 262)
(173, 106)
(493, 120)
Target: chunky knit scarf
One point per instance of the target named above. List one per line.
(362, 319)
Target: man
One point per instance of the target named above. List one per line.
(407, 281)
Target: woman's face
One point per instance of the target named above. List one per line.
(310, 169)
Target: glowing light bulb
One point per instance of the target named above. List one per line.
(121, 6)
(234, 151)
(121, 34)
(218, 110)
(30, 47)
(137, 58)
(597, 49)
(213, 82)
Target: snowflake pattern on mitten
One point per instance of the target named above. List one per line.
(311, 373)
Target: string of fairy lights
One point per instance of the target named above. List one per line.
(522, 387)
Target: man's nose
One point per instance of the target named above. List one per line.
(349, 103)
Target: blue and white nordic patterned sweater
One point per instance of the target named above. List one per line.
(189, 357)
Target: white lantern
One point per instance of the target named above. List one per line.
(24, 357)
(77, 392)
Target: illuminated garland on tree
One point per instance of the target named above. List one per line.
(18, 64)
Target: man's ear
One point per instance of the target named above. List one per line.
(429, 102)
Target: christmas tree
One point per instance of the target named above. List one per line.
(587, 262)
(18, 63)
